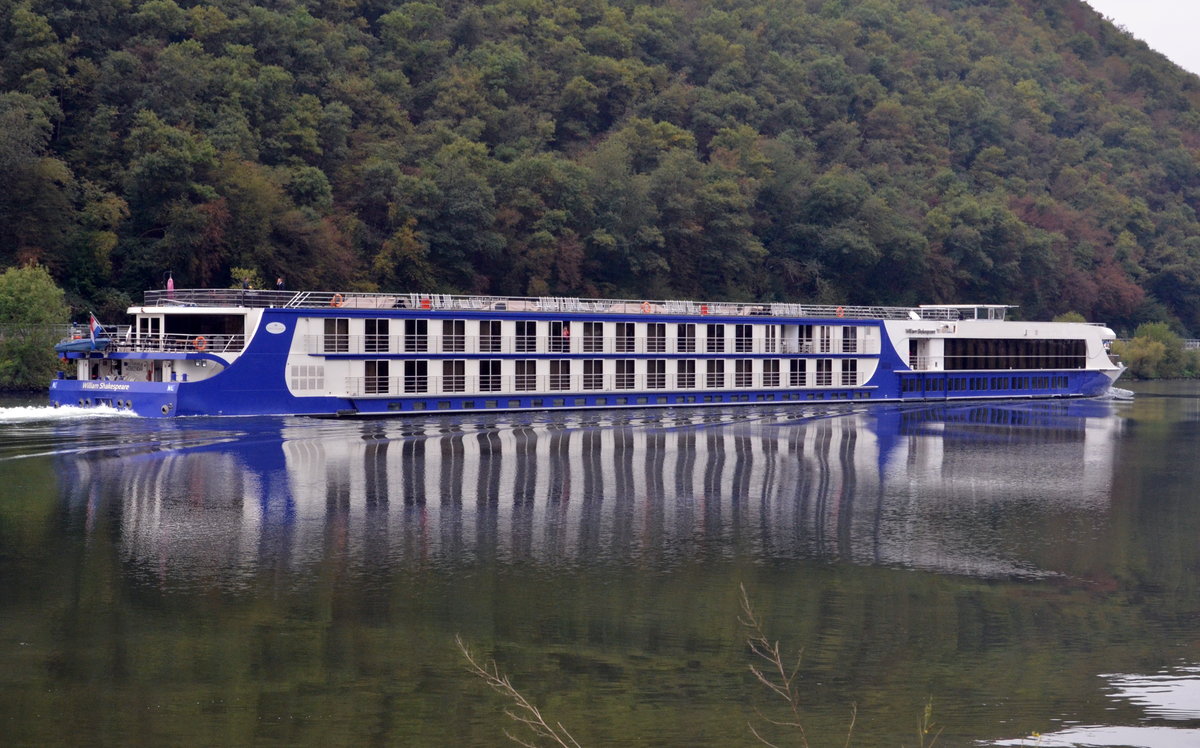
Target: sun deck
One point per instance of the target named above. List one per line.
(232, 297)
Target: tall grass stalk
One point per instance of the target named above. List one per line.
(779, 677)
(521, 710)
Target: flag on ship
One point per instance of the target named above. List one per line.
(94, 327)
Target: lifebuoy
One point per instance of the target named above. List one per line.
(425, 304)
(199, 343)
(645, 307)
(841, 312)
(337, 300)
(704, 308)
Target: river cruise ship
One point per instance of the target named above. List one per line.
(247, 352)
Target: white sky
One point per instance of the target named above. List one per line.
(1168, 26)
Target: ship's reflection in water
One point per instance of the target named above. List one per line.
(919, 487)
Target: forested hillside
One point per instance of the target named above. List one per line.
(866, 151)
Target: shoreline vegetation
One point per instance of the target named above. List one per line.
(1157, 352)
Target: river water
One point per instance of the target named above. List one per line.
(1026, 571)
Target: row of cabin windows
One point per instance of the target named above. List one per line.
(416, 332)
(984, 384)
(713, 374)
(970, 354)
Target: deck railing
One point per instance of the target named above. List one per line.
(232, 297)
(321, 344)
(177, 343)
(508, 385)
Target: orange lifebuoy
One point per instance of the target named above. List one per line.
(337, 300)
(199, 343)
(841, 312)
(704, 308)
(425, 304)
(645, 307)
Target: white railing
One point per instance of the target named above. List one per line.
(233, 297)
(577, 344)
(179, 343)
(515, 385)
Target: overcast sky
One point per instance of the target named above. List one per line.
(1168, 26)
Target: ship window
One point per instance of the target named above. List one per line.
(308, 377)
(560, 375)
(149, 326)
(743, 338)
(489, 376)
(376, 381)
(849, 340)
(376, 339)
(849, 373)
(743, 372)
(824, 372)
(219, 329)
(715, 373)
(804, 339)
(416, 376)
(416, 334)
(625, 337)
(526, 336)
(980, 354)
(454, 376)
(685, 374)
(656, 374)
(771, 373)
(489, 335)
(593, 373)
(797, 372)
(593, 337)
(656, 337)
(826, 338)
(454, 335)
(716, 338)
(560, 337)
(337, 335)
(625, 373)
(685, 338)
(771, 338)
(526, 375)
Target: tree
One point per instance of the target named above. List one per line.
(31, 308)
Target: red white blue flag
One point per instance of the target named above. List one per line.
(94, 326)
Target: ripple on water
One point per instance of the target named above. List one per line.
(1173, 695)
(35, 413)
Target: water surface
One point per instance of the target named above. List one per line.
(1029, 568)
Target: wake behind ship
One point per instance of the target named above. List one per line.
(235, 352)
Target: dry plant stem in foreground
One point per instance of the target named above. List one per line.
(927, 725)
(775, 675)
(521, 710)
